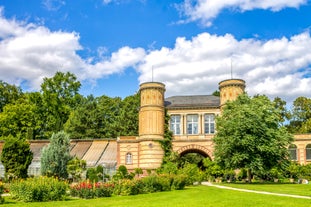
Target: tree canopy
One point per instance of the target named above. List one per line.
(250, 135)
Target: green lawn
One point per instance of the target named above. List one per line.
(295, 189)
(190, 197)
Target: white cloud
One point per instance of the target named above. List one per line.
(53, 5)
(207, 10)
(30, 52)
(277, 67)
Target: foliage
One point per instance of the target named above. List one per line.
(16, 157)
(38, 189)
(166, 143)
(89, 190)
(60, 96)
(249, 135)
(301, 116)
(1, 192)
(56, 155)
(104, 117)
(122, 173)
(212, 170)
(20, 118)
(8, 94)
(150, 184)
(75, 168)
(95, 174)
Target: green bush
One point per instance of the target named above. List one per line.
(89, 190)
(1, 191)
(179, 182)
(38, 189)
(156, 183)
(128, 187)
(95, 174)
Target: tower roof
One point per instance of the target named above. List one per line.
(195, 101)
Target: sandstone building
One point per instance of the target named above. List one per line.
(192, 121)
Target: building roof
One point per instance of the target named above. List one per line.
(197, 101)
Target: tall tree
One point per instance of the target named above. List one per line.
(249, 135)
(8, 94)
(56, 155)
(301, 116)
(60, 95)
(129, 113)
(20, 118)
(16, 157)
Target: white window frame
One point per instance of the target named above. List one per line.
(128, 158)
(209, 123)
(175, 124)
(192, 124)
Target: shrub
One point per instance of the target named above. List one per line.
(128, 187)
(1, 191)
(89, 190)
(179, 182)
(38, 189)
(156, 183)
(95, 174)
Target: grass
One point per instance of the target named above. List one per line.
(294, 189)
(192, 196)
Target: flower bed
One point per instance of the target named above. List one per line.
(89, 190)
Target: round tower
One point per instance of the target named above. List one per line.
(230, 89)
(151, 124)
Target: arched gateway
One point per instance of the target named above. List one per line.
(194, 148)
(192, 121)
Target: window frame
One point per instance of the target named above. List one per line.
(129, 158)
(308, 152)
(291, 150)
(209, 124)
(174, 125)
(192, 125)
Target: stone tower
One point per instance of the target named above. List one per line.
(230, 89)
(151, 124)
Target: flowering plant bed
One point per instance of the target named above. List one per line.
(88, 190)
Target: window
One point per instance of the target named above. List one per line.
(129, 159)
(292, 150)
(192, 124)
(308, 152)
(175, 124)
(209, 123)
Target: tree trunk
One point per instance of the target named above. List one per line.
(249, 175)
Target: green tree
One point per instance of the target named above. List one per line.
(16, 156)
(20, 118)
(56, 155)
(249, 135)
(281, 106)
(128, 118)
(8, 94)
(75, 168)
(301, 116)
(60, 96)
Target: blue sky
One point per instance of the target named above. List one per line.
(112, 45)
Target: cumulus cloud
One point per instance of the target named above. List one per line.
(207, 10)
(30, 52)
(277, 67)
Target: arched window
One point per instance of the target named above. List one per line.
(292, 150)
(308, 152)
(129, 158)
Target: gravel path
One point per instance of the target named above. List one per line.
(255, 191)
